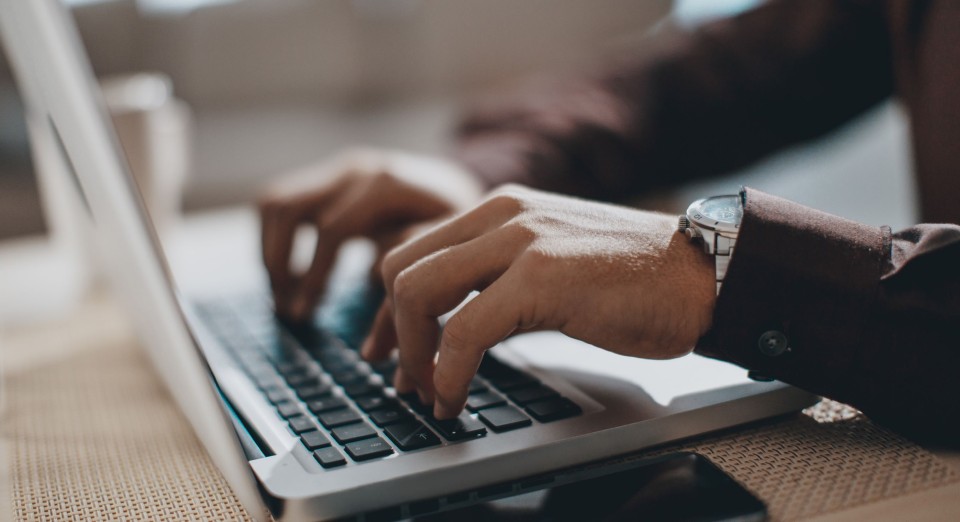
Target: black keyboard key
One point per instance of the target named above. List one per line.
(553, 409)
(513, 381)
(491, 366)
(269, 381)
(476, 386)
(301, 424)
(368, 449)
(332, 419)
(326, 404)
(385, 368)
(411, 435)
(462, 427)
(303, 379)
(289, 409)
(314, 440)
(288, 368)
(375, 402)
(525, 396)
(337, 361)
(278, 351)
(279, 395)
(484, 400)
(329, 457)
(349, 376)
(413, 400)
(353, 432)
(389, 415)
(503, 376)
(361, 388)
(258, 366)
(312, 340)
(274, 388)
(313, 391)
(340, 360)
(504, 418)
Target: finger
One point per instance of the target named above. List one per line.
(335, 224)
(281, 215)
(404, 384)
(460, 229)
(278, 225)
(492, 316)
(437, 284)
(385, 241)
(382, 338)
(314, 282)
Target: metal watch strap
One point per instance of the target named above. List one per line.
(723, 250)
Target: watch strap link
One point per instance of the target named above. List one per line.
(723, 251)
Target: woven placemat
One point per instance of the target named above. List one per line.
(92, 435)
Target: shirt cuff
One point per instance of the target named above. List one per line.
(797, 295)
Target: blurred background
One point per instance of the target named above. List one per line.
(263, 86)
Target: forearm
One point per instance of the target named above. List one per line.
(690, 103)
(869, 317)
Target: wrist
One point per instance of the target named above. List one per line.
(699, 284)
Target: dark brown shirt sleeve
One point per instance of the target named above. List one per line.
(847, 311)
(689, 103)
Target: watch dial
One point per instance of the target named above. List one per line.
(726, 209)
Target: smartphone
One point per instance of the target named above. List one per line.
(679, 487)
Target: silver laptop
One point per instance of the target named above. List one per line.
(295, 421)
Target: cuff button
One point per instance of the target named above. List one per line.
(773, 343)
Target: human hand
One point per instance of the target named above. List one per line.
(369, 193)
(618, 278)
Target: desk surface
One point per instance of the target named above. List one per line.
(89, 432)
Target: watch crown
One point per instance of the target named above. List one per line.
(684, 224)
(693, 233)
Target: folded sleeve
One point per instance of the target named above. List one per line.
(848, 311)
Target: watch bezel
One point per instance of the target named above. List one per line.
(704, 222)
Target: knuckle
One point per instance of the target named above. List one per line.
(456, 334)
(404, 288)
(521, 230)
(536, 261)
(390, 267)
(511, 188)
(506, 201)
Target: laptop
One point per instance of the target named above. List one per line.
(296, 422)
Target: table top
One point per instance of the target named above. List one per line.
(88, 431)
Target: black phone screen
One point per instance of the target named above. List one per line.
(678, 487)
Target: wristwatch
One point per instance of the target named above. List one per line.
(715, 222)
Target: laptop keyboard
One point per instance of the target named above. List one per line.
(342, 407)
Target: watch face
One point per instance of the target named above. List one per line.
(725, 209)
